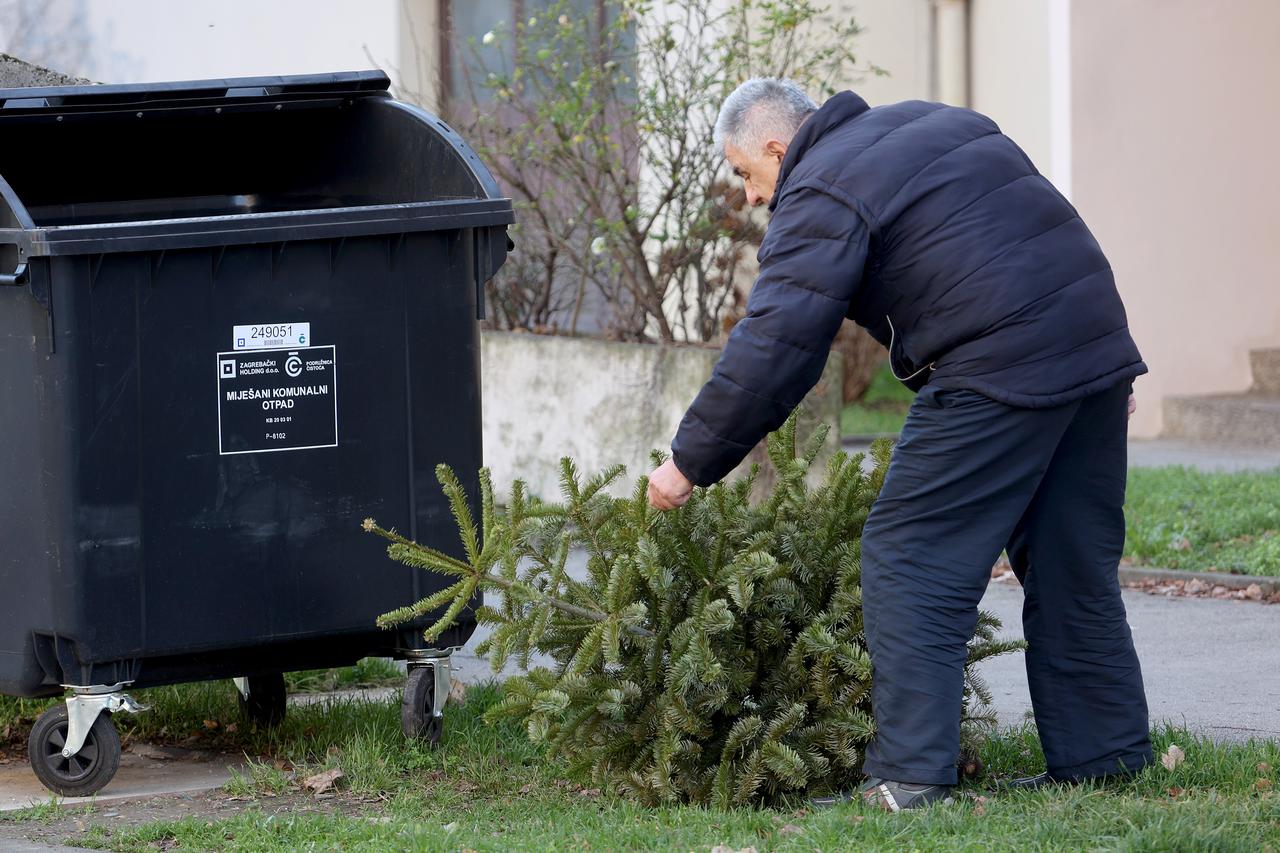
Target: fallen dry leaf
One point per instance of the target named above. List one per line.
(979, 806)
(526, 789)
(210, 724)
(1176, 792)
(790, 829)
(1264, 785)
(725, 848)
(322, 782)
(1263, 767)
(231, 727)
(467, 787)
(589, 793)
(1172, 757)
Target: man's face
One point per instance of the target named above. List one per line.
(758, 171)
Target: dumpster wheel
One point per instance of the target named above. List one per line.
(86, 772)
(422, 710)
(262, 698)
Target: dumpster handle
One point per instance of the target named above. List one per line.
(16, 278)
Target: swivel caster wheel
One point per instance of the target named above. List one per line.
(79, 775)
(422, 710)
(262, 699)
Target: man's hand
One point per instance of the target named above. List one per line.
(1133, 406)
(668, 488)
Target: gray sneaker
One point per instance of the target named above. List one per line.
(1028, 783)
(889, 795)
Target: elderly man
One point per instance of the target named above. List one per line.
(934, 231)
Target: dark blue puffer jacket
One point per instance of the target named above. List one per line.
(933, 231)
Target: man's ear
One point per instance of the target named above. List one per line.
(776, 148)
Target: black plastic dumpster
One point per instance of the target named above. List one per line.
(236, 318)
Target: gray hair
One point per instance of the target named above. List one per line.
(762, 109)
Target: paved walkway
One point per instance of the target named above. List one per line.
(143, 773)
(1208, 664)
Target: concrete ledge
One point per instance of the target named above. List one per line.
(1265, 364)
(16, 74)
(1137, 575)
(604, 402)
(1250, 420)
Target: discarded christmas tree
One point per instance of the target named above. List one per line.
(709, 654)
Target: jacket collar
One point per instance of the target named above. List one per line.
(838, 109)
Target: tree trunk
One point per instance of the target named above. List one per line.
(863, 356)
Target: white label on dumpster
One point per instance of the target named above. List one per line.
(273, 400)
(271, 336)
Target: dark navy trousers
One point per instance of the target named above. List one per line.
(972, 477)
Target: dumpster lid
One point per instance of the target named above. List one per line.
(53, 99)
(156, 166)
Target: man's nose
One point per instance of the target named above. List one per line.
(753, 197)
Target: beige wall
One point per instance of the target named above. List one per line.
(896, 38)
(1175, 123)
(1009, 69)
(1009, 61)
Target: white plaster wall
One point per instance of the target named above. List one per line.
(597, 401)
(151, 40)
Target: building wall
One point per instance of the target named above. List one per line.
(1010, 70)
(1174, 168)
(149, 40)
(896, 37)
(1009, 65)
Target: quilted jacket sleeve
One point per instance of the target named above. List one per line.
(811, 263)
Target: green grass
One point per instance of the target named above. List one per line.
(882, 409)
(487, 788)
(207, 716)
(369, 672)
(1178, 518)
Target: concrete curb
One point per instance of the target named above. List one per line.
(1137, 575)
